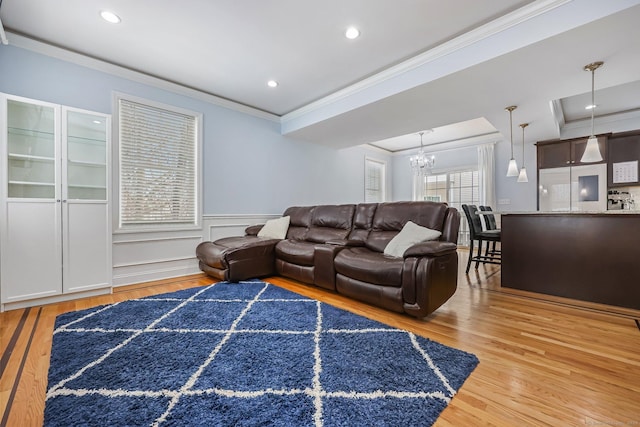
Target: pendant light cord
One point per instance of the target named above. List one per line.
(593, 97)
(522, 146)
(510, 110)
(511, 128)
(523, 125)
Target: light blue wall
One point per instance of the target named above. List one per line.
(521, 196)
(249, 167)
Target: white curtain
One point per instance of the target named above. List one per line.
(487, 175)
(418, 186)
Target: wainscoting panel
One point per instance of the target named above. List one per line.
(142, 257)
(219, 226)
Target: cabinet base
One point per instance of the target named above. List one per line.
(53, 299)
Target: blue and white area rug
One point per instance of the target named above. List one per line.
(243, 354)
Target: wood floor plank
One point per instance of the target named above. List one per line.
(543, 361)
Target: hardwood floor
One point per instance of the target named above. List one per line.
(541, 362)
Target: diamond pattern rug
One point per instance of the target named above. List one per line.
(248, 353)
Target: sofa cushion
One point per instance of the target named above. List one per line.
(369, 266)
(409, 236)
(362, 220)
(275, 228)
(299, 222)
(330, 222)
(391, 217)
(296, 252)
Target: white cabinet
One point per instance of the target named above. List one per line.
(55, 214)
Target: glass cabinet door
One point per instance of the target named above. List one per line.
(86, 156)
(31, 148)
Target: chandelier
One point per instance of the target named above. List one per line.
(421, 163)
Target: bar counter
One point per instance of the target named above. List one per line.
(588, 256)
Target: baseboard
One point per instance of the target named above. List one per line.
(152, 275)
(53, 299)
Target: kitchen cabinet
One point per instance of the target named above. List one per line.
(623, 148)
(562, 153)
(55, 210)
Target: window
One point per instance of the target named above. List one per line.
(374, 180)
(455, 188)
(159, 149)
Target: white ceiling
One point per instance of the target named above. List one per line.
(342, 92)
(462, 133)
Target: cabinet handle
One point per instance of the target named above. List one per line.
(58, 200)
(64, 201)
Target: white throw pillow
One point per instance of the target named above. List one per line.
(410, 234)
(275, 228)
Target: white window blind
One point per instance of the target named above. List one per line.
(158, 166)
(374, 180)
(454, 187)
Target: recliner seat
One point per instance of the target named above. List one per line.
(310, 260)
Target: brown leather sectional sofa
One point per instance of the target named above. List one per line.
(341, 248)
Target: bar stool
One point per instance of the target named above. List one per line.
(476, 233)
(490, 224)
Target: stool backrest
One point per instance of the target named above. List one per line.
(489, 219)
(475, 226)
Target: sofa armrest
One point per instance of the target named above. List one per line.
(253, 230)
(257, 249)
(345, 242)
(431, 248)
(323, 262)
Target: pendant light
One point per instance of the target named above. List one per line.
(513, 167)
(592, 152)
(522, 176)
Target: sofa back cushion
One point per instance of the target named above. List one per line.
(299, 222)
(389, 219)
(362, 221)
(330, 222)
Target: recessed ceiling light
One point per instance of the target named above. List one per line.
(590, 107)
(272, 83)
(97, 122)
(110, 17)
(352, 33)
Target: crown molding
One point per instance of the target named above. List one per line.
(452, 145)
(3, 35)
(43, 48)
(496, 26)
(558, 114)
(376, 149)
(631, 116)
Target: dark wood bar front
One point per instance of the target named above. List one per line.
(585, 256)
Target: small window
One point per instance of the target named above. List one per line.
(158, 172)
(374, 180)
